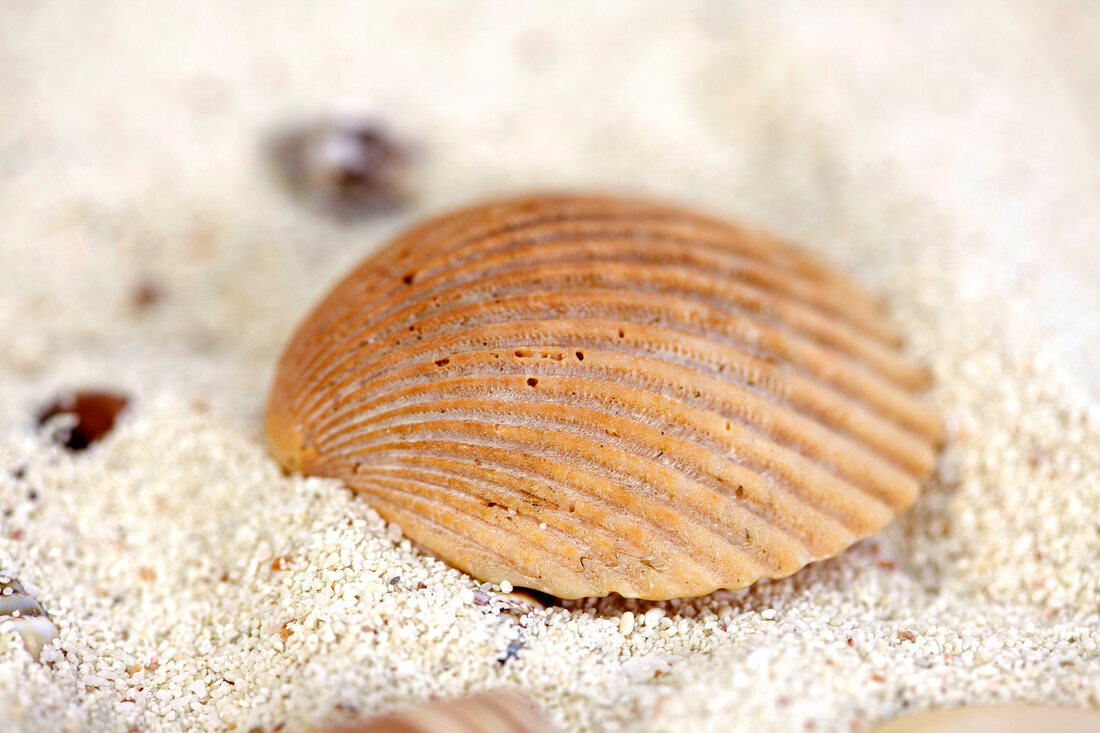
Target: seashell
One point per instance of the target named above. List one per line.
(586, 395)
(21, 614)
(517, 603)
(349, 165)
(498, 711)
(84, 417)
(993, 718)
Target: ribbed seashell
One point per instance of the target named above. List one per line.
(498, 711)
(587, 395)
(21, 614)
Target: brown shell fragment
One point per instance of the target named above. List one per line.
(88, 416)
(587, 395)
(498, 711)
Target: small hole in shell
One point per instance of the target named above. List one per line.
(442, 362)
(580, 356)
(532, 382)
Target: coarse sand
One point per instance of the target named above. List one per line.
(947, 155)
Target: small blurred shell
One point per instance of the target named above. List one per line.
(997, 719)
(350, 165)
(490, 712)
(586, 395)
(21, 614)
(83, 417)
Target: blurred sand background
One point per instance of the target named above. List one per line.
(947, 154)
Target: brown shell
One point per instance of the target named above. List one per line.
(587, 395)
(498, 711)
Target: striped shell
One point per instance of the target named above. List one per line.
(587, 395)
(498, 711)
(21, 614)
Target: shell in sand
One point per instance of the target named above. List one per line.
(22, 615)
(997, 719)
(497, 711)
(587, 395)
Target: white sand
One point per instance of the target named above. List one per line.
(947, 155)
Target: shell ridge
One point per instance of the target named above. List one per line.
(791, 428)
(542, 540)
(696, 252)
(706, 490)
(413, 523)
(453, 297)
(915, 417)
(370, 309)
(427, 236)
(782, 312)
(589, 496)
(701, 573)
(503, 493)
(756, 454)
(373, 267)
(609, 559)
(594, 394)
(709, 531)
(820, 402)
(753, 470)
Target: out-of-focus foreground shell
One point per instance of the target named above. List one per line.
(997, 719)
(588, 395)
(489, 712)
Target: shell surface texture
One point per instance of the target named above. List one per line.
(586, 395)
